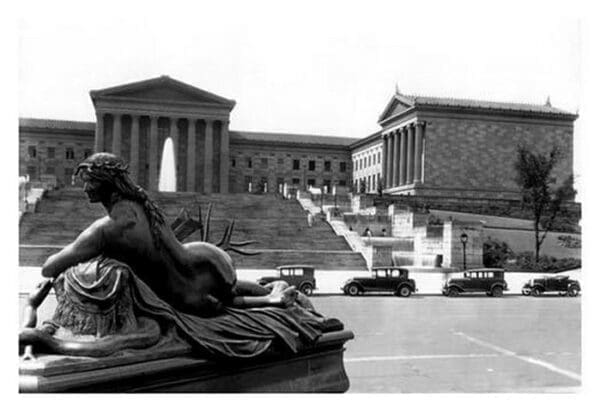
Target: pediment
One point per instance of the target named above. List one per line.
(160, 90)
(398, 104)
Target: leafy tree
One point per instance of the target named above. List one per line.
(540, 193)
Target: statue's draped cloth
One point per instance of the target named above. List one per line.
(103, 297)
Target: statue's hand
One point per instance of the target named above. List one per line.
(285, 297)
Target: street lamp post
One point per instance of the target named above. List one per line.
(464, 239)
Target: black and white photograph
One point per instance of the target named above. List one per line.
(301, 198)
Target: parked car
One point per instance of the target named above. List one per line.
(560, 283)
(382, 279)
(301, 276)
(490, 281)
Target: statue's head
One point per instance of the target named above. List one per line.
(102, 174)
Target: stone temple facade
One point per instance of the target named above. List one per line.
(431, 146)
(426, 146)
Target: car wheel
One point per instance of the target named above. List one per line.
(453, 292)
(307, 289)
(497, 292)
(536, 292)
(572, 292)
(353, 290)
(526, 292)
(404, 292)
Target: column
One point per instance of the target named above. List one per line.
(389, 161)
(383, 162)
(395, 157)
(134, 155)
(208, 157)
(410, 155)
(191, 156)
(403, 138)
(153, 154)
(99, 141)
(174, 135)
(224, 164)
(116, 142)
(419, 151)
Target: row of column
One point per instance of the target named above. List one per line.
(403, 156)
(153, 149)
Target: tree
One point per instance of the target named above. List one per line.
(540, 193)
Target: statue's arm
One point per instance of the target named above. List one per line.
(86, 246)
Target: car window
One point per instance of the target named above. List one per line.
(395, 273)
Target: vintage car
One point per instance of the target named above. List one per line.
(560, 283)
(301, 276)
(488, 280)
(383, 279)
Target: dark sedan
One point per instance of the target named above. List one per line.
(382, 279)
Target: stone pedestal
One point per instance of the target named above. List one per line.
(318, 368)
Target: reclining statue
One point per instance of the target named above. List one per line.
(127, 281)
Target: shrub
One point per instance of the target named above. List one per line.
(496, 253)
(525, 262)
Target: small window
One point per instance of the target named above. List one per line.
(296, 164)
(50, 170)
(311, 182)
(249, 162)
(87, 153)
(51, 152)
(233, 162)
(311, 165)
(295, 181)
(69, 153)
(342, 183)
(280, 161)
(369, 161)
(378, 157)
(327, 166)
(342, 166)
(32, 151)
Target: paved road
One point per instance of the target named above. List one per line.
(466, 344)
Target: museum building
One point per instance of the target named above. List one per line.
(425, 146)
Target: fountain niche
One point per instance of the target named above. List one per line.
(167, 179)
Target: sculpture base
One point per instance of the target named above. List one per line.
(175, 369)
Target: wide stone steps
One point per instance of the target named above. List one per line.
(278, 226)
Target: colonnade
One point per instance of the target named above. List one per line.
(402, 155)
(189, 167)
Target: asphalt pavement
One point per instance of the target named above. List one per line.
(466, 344)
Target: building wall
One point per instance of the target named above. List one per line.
(475, 156)
(274, 164)
(366, 163)
(53, 149)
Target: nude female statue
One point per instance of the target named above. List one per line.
(197, 277)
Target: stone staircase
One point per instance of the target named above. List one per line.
(279, 227)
